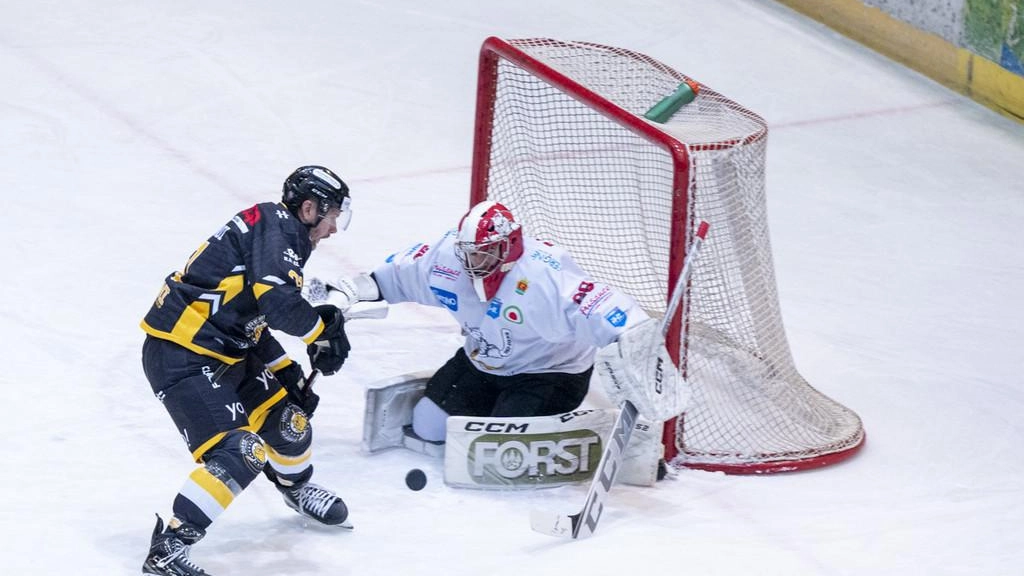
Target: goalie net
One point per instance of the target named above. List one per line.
(561, 140)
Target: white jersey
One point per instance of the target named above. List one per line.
(548, 315)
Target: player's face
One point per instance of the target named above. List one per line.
(326, 228)
(480, 260)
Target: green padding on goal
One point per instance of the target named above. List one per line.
(668, 105)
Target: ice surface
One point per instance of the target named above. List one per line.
(133, 130)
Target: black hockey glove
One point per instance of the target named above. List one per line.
(328, 353)
(296, 385)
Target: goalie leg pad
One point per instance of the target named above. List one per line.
(389, 409)
(527, 452)
(642, 455)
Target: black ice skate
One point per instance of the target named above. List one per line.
(168, 552)
(316, 502)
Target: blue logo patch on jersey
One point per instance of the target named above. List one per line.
(447, 299)
(546, 258)
(494, 310)
(616, 317)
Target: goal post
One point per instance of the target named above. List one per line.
(561, 139)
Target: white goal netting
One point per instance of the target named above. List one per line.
(561, 140)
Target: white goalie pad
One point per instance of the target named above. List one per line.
(524, 453)
(638, 368)
(389, 405)
(642, 455)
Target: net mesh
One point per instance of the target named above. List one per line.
(603, 190)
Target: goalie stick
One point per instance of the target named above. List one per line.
(583, 523)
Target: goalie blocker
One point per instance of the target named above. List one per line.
(638, 368)
(508, 453)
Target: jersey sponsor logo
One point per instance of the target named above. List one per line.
(594, 300)
(534, 458)
(522, 285)
(282, 214)
(445, 272)
(485, 349)
(546, 258)
(513, 314)
(416, 250)
(292, 258)
(617, 317)
(254, 328)
(265, 378)
(237, 411)
(251, 215)
(494, 309)
(581, 292)
(447, 299)
(211, 375)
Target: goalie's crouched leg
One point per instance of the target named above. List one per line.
(545, 451)
(642, 458)
(228, 468)
(288, 437)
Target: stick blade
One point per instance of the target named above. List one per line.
(557, 525)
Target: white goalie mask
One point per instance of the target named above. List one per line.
(489, 239)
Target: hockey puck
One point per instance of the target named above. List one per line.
(416, 479)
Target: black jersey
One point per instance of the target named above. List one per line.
(244, 278)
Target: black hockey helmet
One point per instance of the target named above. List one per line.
(320, 185)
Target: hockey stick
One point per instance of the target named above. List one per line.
(583, 523)
(356, 311)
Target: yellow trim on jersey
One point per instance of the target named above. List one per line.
(212, 486)
(197, 454)
(312, 335)
(259, 289)
(231, 286)
(186, 342)
(191, 320)
(283, 362)
(259, 415)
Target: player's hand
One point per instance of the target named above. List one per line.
(329, 351)
(299, 392)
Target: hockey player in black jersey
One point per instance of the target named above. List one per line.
(240, 403)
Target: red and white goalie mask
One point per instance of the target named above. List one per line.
(488, 244)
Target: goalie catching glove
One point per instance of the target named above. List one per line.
(344, 292)
(638, 368)
(330, 349)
